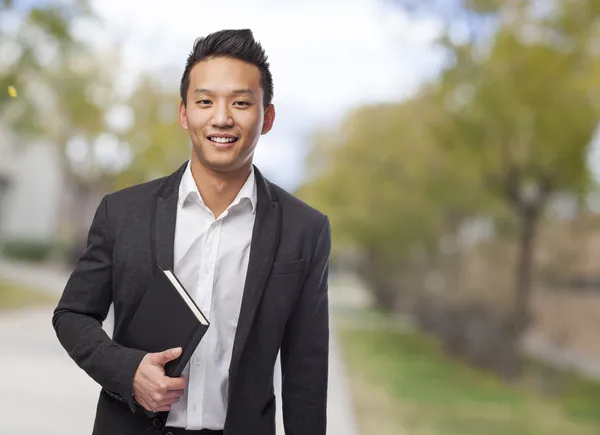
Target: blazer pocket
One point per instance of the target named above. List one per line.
(287, 267)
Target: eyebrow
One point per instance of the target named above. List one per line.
(236, 91)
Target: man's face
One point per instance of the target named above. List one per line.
(225, 114)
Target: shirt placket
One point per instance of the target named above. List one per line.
(213, 368)
(205, 295)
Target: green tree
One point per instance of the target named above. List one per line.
(67, 95)
(64, 90)
(32, 40)
(519, 99)
(155, 141)
(389, 189)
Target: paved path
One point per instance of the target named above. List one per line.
(39, 379)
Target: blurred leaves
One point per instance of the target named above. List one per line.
(67, 92)
(39, 54)
(155, 140)
(507, 123)
(72, 98)
(387, 184)
(52, 21)
(516, 119)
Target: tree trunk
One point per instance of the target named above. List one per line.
(379, 279)
(522, 308)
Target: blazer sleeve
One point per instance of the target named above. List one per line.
(83, 307)
(305, 348)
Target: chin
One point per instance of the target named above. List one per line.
(221, 165)
(220, 161)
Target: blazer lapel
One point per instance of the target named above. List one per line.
(163, 221)
(265, 238)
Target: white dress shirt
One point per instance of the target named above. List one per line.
(211, 259)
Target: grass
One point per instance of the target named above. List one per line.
(371, 318)
(14, 296)
(403, 384)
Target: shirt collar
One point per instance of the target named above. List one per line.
(188, 191)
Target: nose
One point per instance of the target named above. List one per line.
(221, 117)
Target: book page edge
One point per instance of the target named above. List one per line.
(171, 276)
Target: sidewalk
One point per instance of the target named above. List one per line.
(41, 277)
(62, 397)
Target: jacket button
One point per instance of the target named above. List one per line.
(169, 433)
(157, 422)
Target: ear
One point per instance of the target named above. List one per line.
(269, 119)
(182, 116)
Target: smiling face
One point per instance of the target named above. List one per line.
(225, 114)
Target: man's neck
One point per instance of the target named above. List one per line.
(218, 190)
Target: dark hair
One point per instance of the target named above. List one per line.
(236, 44)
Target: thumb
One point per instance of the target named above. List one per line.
(165, 356)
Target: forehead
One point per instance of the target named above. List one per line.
(222, 73)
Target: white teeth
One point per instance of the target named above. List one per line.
(222, 139)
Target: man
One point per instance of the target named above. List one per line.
(254, 258)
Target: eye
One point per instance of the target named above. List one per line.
(203, 102)
(242, 103)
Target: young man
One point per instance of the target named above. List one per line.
(254, 258)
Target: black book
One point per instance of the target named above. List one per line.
(167, 317)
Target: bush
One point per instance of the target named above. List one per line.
(473, 333)
(32, 250)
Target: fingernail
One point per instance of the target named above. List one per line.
(176, 351)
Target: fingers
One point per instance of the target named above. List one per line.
(161, 408)
(151, 388)
(172, 395)
(173, 384)
(165, 402)
(161, 358)
(170, 384)
(158, 402)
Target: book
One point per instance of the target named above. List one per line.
(166, 318)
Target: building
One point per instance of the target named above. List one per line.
(31, 190)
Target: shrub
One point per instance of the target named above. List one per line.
(33, 250)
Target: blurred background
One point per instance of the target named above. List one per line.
(454, 144)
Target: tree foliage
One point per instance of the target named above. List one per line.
(505, 125)
(155, 141)
(67, 94)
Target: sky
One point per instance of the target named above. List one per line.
(326, 57)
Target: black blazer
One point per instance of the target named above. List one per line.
(284, 306)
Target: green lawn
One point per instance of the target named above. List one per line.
(13, 296)
(403, 384)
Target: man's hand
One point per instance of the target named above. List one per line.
(151, 388)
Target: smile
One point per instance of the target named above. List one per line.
(222, 140)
